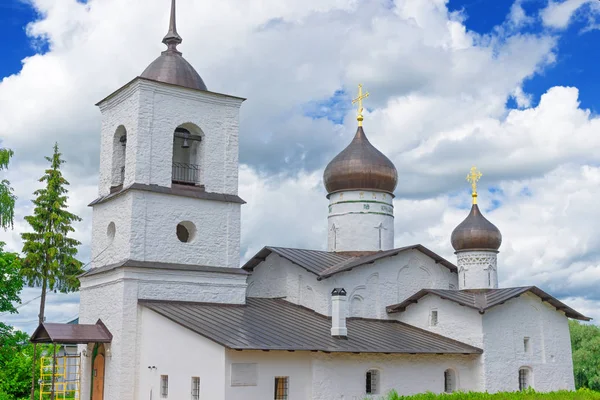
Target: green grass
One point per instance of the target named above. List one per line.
(582, 394)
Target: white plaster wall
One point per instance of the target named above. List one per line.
(454, 321)
(181, 354)
(356, 219)
(113, 297)
(342, 376)
(504, 328)
(385, 282)
(150, 111)
(477, 269)
(155, 219)
(295, 365)
(106, 250)
(146, 225)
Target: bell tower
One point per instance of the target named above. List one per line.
(168, 168)
(166, 223)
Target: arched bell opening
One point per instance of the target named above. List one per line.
(119, 152)
(188, 155)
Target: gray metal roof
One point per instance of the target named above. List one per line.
(275, 324)
(326, 263)
(485, 299)
(168, 266)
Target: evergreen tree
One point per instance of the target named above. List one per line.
(49, 254)
(7, 198)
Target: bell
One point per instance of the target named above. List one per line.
(123, 140)
(185, 144)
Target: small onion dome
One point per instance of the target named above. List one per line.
(360, 166)
(476, 233)
(171, 67)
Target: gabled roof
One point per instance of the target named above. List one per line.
(325, 263)
(484, 299)
(71, 333)
(163, 266)
(275, 324)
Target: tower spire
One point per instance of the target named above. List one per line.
(172, 38)
(473, 177)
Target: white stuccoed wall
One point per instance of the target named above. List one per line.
(181, 354)
(113, 297)
(370, 287)
(146, 224)
(342, 376)
(354, 220)
(477, 269)
(150, 112)
(504, 328)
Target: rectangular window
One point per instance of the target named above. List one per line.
(523, 379)
(526, 345)
(433, 321)
(281, 387)
(372, 381)
(195, 388)
(164, 386)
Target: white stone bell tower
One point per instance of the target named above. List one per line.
(166, 224)
(476, 241)
(360, 183)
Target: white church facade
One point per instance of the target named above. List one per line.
(177, 318)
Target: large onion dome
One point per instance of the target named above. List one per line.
(170, 66)
(360, 166)
(476, 233)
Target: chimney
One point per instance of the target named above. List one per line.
(338, 313)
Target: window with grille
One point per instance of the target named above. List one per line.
(524, 379)
(433, 319)
(195, 388)
(372, 381)
(164, 386)
(449, 381)
(281, 387)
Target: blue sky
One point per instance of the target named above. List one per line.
(439, 103)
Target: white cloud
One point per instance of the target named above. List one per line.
(437, 105)
(558, 14)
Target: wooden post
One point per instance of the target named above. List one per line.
(53, 373)
(33, 365)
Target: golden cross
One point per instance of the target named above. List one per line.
(359, 100)
(473, 177)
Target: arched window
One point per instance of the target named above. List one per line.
(187, 155)
(525, 381)
(119, 151)
(372, 381)
(449, 380)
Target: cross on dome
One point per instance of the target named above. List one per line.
(359, 100)
(473, 177)
(172, 38)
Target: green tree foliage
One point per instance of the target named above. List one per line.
(11, 282)
(49, 260)
(585, 344)
(7, 198)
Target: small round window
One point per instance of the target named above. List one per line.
(111, 230)
(186, 231)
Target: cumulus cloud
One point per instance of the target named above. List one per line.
(558, 14)
(437, 106)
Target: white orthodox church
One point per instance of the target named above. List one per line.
(167, 313)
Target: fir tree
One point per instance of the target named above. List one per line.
(49, 253)
(7, 198)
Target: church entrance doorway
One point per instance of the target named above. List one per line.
(98, 372)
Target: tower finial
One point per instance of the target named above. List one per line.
(359, 99)
(172, 38)
(473, 177)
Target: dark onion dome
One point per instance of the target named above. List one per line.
(360, 166)
(170, 66)
(476, 233)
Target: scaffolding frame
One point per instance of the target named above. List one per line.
(60, 377)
